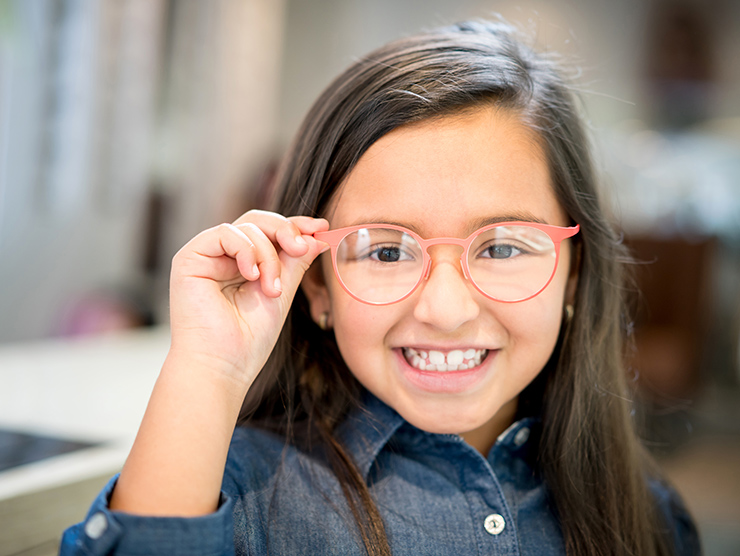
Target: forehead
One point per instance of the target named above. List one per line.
(441, 176)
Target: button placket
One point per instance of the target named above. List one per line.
(494, 524)
(96, 526)
(521, 436)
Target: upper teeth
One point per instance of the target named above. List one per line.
(455, 360)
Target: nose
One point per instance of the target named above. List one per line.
(446, 300)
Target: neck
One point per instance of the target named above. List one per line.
(484, 437)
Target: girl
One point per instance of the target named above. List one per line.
(445, 379)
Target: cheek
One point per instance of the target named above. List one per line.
(359, 325)
(361, 334)
(533, 322)
(359, 329)
(534, 326)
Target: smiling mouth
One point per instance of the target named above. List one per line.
(455, 360)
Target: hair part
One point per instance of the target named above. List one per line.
(591, 460)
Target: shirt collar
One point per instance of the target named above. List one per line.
(520, 439)
(367, 429)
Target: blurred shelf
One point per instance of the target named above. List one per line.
(86, 396)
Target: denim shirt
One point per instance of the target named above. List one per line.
(435, 493)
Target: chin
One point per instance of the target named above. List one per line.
(443, 420)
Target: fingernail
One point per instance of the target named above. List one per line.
(278, 285)
(300, 241)
(255, 270)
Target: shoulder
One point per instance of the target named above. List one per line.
(677, 517)
(257, 442)
(259, 458)
(254, 456)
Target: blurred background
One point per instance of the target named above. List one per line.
(128, 126)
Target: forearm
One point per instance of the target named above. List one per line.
(176, 464)
(230, 291)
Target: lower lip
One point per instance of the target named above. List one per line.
(444, 382)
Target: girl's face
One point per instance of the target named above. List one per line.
(441, 178)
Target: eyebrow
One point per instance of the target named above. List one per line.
(472, 226)
(513, 217)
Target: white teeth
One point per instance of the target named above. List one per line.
(455, 360)
(436, 358)
(455, 357)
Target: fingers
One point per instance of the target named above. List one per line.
(260, 246)
(285, 251)
(264, 260)
(287, 233)
(222, 253)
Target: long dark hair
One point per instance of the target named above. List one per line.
(591, 460)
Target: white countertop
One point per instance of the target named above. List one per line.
(92, 389)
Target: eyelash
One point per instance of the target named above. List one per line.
(375, 249)
(493, 246)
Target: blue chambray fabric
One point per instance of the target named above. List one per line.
(433, 491)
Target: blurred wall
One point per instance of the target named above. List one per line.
(125, 128)
(605, 39)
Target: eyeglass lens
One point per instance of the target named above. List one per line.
(508, 263)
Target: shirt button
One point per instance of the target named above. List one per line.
(96, 526)
(522, 436)
(494, 524)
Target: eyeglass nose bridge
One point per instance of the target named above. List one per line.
(426, 244)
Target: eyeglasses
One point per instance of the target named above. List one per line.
(380, 264)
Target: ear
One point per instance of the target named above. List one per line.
(315, 289)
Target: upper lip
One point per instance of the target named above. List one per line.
(441, 347)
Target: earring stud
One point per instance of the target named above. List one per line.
(569, 312)
(324, 321)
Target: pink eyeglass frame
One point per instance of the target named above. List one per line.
(556, 233)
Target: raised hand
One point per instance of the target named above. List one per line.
(231, 288)
(232, 285)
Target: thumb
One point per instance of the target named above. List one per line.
(295, 267)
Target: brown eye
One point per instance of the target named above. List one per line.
(387, 254)
(501, 251)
